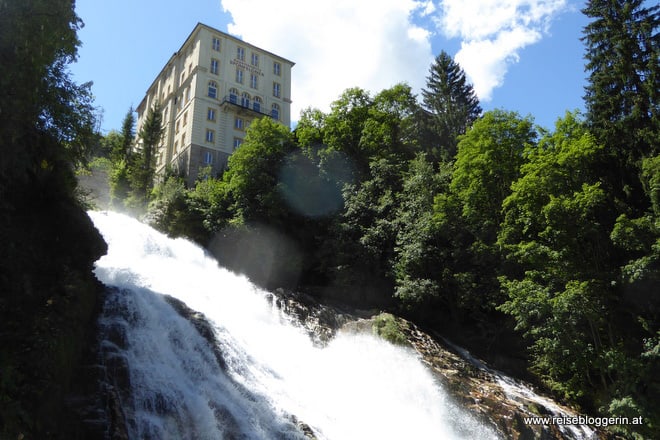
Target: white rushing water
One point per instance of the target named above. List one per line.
(358, 387)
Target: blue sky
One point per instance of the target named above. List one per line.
(520, 55)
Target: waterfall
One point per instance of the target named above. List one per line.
(270, 379)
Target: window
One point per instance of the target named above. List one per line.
(240, 53)
(245, 99)
(276, 89)
(239, 76)
(256, 106)
(254, 83)
(208, 158)
(210, 115)
(277, 68)
(233, 96)
(213, 89)
(209, 136)
(214, 66)
(185, 118)
(237, 143)
(216, 44)
(255, 60)
(275, 112)
(238, 124)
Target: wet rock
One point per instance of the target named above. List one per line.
(320, 321)
(201, 324)
(500, 401)
(485, 392)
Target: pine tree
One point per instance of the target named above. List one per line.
(127, 133)
(623, 93)
(142, 166)
(451, 103)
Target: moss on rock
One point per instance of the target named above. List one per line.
(387, 327)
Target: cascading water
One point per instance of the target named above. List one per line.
(270, 376)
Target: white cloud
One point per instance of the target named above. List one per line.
(337, 44)
(492, 34)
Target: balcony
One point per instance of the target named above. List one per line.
(244, 104)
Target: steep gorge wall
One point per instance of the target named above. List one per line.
(49, 301)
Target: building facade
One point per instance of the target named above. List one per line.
(209, 92)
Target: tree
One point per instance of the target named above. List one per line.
(253, 172)
(552, 230)
(123, 164)
(420, 255)
(452, 106)
(488, 161)
(259, 240)
(468, 215)
(581, 317)
(123, 149)
(343, 132)
(142, 163)
(37, 41)
(623, 94)
(360, 242)
(48, 297)
(391, 127)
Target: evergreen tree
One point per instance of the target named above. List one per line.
(622, 97)
(123, 151)
(142, 166)
(451, 103)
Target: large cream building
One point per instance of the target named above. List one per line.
(209, 92)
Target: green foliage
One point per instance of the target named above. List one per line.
(622, 97)
(119, 184)
(419, 251)
(141, 164)
(651, 181)
(252, 175)
(360, 242)
(123, 150)
(343, 127)
(386, 326)
(390, 129)
(48, 126)
(47, 291)
(465, 262)
(452, 105)
(551, 230)
(488, 161)
(111, 145)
